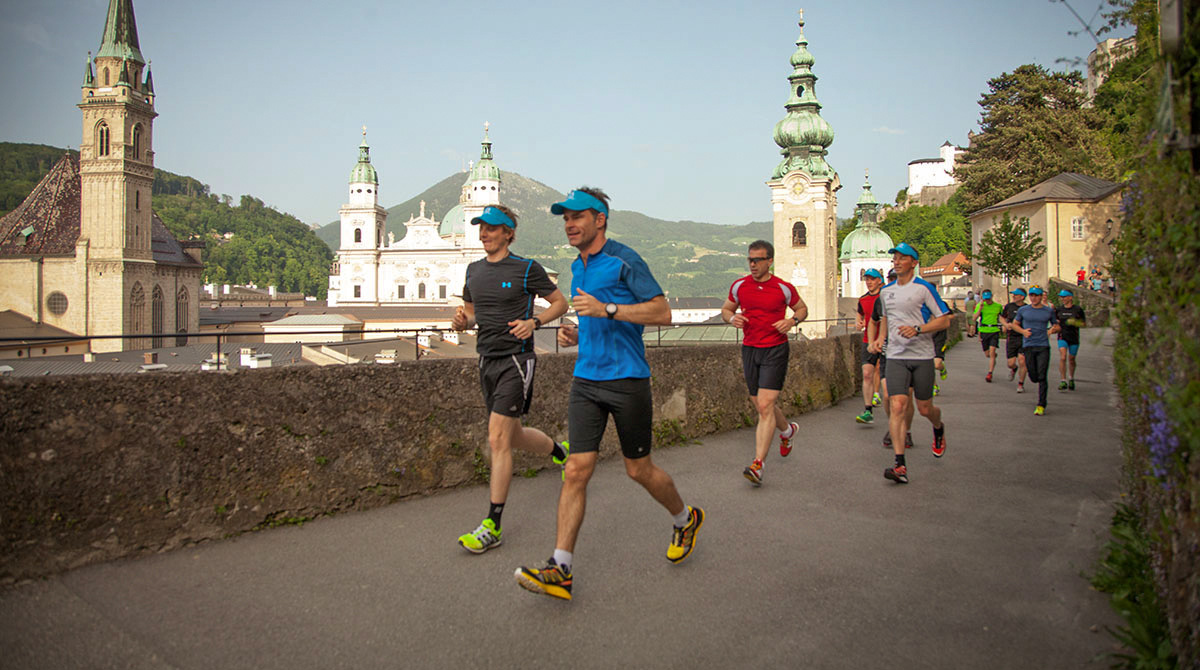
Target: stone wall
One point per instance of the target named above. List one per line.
(98, 467)
(1097, 306)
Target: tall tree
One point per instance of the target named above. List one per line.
(1034, 126)
(1007, 248)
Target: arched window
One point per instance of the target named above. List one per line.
(181, 317)
(358, 234)
(421, 291)
(156, 317)
(137, 315)
(400, 291)
(137, 142)
(102, 139)
(441, 291)
(106, 76)
(799, 234)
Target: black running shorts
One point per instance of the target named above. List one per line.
(507, 383)
(989, 340)
(765, 368)
(869, 358)
(939, 344)
(629, 403)
(904, 372)
(1013, 343)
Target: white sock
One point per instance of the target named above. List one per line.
(789, 432)
(563, 558)
(683, 517)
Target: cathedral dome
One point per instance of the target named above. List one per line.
(803, 128)
(866, 242)
(364, 172)
(484, 169)
(454, 223)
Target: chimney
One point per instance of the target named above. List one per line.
(193, 249)
(225, 289)
(150, 357)
(271, 291)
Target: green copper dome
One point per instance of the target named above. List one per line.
(801, 128)
(866, 241)
(803, 136)
(454, 223)
(867, 198)
(485, 168)
(364, 172)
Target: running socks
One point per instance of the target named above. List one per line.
(563, 558)
(494, 512)
(789, 433)
(683, 517)
(939, 431)
(870, 410)
(899, 460)
(557, 452)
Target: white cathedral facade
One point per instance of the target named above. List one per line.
(429, 265)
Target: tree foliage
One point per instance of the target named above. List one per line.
(1007, 248)
(932, 231)
(1034, 126)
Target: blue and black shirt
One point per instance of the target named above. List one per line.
(501, 292)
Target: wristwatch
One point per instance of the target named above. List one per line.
(918, 330)
(611, 310)
(537, 323)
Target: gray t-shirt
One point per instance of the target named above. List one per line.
(901, 304)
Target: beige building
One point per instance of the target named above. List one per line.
(1078, 217)
(84, 252)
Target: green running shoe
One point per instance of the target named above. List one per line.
(566, 447)
(865, 417)
(1071, 385)
(876, 401)
(485, 537)
(944, 371)
(1062, 386)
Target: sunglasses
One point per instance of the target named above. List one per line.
(758, 259)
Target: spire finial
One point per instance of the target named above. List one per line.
(364, 132)
(486, 125)
(868, 173)
(801, 13)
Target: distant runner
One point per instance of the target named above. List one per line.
(870, 360)
(1013, 340)
(1070, 319)
(1035, 322)
(987, 313)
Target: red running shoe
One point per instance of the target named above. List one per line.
(939, 443)
(785, 443)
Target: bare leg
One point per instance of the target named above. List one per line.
(930, 411)
(572, 501)
(1062, 363)
(868, 384)
(1021, 363)
(504, 434)
(991, 360)
(656, 481)
(897, 420)
(770, 419)
(1071, 364)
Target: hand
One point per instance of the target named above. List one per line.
(568, 335)
(459, 322)
(522, 329)
(586, 305)
(908, 331)
(859, 324)
(783, 325)
(738, 320)
(1055, 329)
(875, 347)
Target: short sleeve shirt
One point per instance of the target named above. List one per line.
(866, 309)
(989, 317)
(763, 303)
(1010, 314)
(610, 349)
(1038, 321)
(501, 292)
(901, 304)
(1069, 333)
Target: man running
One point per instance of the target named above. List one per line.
(614, 295)
(1035, 322)
(498, 299)
(870, 359)
(910, 352)
(1013, 339)
(764, 299)
(1070, 319)
(873, 331)
(987, 313)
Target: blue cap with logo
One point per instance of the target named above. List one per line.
(1036, 290)
(577, 201)
(873, 273)
(495, 217)
(1064, 293)
(903, 248)
(986, 295)
(1018, 291)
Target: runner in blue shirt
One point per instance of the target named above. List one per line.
(614, 295)
(1035, 322)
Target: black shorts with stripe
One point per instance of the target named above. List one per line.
(507, 383)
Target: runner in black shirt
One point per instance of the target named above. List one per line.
(1071, 317)
(1013, 340)
(498, 300)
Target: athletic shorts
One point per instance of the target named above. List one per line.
(507, 383)
(939, 344)
(883, 364)
(869, 358)
(629, 403)
(766, 367)
(1012, 346)
(989, 340)
(1072, 349)
(905, 372)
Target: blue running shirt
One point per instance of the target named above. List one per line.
(1038, 320)
(611, 349)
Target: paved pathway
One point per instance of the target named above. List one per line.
(975, 564)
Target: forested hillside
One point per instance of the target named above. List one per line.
(247, 242)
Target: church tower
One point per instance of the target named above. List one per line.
(482, 189)
(804, 196)
(116, 166)
(362, 226)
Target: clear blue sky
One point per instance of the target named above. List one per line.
(669, 106)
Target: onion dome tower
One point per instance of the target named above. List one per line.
(866, 246)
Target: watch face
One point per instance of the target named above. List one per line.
(611, 308)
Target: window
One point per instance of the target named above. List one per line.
(106, 76)
(421, 291)
(137, 142)
(181, 317)
(102, 139)
(56, 302)
(137, 315)
(1077, 225)
(799, 234)
(156, 317)
(442, 291)
(400, 291)
(358, 234)
(357, 290)
(137, 199)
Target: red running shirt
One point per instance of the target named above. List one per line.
(866, 307)
(763, 303)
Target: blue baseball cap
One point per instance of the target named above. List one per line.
(986, 295)
(577, 201)
(1018, 291)
(1064, 293)
(493, 216)
(903, 248)
(1036, 290)
(873, 273)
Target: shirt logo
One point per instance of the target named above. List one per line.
(505, 284)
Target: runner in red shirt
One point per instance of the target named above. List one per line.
(763, 300)
(870, 361)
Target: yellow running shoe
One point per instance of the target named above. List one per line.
(683, 540)
(1039, 411)
(550, 580)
